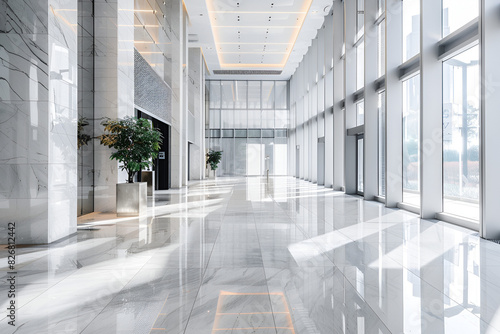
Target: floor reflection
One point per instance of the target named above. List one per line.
(244, 313)
(247, 255)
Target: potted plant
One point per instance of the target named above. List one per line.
(135, 143)
(213, 160)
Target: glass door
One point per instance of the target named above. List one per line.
(359, 165)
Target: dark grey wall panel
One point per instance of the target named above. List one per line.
(152, 94)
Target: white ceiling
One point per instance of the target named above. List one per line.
(254, 35)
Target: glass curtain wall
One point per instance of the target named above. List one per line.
(458, 60)
(248, 122)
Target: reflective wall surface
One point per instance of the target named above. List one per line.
(38, 113)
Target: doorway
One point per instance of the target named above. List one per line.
(359, 164)
(297, 162)
(161, 165)
(321, 161)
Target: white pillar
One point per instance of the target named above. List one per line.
(350, 89)
(490, 118)
(338, 95)
(178, 143)
(431, 106)
(370, 141)
(394, 105)
(196, 102)
(114, 90)
(328, 101)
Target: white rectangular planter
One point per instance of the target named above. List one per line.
(149, 177)
(211, 173)
(131, 199)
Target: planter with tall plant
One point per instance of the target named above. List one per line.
(135, 143)
(213, 160)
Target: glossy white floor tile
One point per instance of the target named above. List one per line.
(239, 255)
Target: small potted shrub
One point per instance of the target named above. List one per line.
(213, 160)
(135, 143)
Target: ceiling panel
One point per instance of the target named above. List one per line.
(255, 34)
(256, 19)
(235, 60)
(257, 5)
(253, 47)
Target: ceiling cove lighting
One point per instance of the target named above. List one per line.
(294, 35)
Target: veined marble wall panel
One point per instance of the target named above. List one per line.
(114, 89)
(24, 17)
(24, 67)
(24, 135)
(38, 118)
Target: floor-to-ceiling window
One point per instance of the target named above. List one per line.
(360, 113)
(411, 28)
(461, 134)
(360, 65)
(248, 122)
(411, 141)
(457, 13)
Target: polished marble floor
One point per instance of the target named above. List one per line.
(242, 255)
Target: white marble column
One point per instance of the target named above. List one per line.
(178, 143)
(184, 109)
(38, 119)
(114, 89)
(197, 107)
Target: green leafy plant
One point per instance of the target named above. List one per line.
(135, 142)
(213, 158)
(83, 138)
